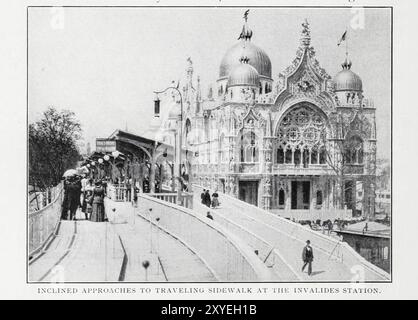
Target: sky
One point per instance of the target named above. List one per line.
(105, 63)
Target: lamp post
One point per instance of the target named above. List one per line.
(150, 229)
(100, 161)
(180, 135)
(93, 164)
(106, 158)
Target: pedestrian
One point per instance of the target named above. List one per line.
(87, 190)
(89, 199)
(84, 182)
(202, 196)
(307, 257)
(330, 226)
(104, 184)
(98, 213)
(207, 199)
(215, 199)
(74, 191)
(209, 216)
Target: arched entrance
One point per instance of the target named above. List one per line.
(300, 149)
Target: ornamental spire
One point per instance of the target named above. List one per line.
(189, 69)
(346, 64)
(246, 32)
(305, 37)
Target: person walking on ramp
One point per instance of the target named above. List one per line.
(307, 257)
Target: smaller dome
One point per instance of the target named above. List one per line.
(244, 74)
(347, 80)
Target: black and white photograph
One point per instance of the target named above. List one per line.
(209, 144)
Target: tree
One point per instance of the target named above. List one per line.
(351, 162)
(383, 174)
(53, 147)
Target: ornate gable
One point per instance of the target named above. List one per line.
(305, 79)
(249, 117)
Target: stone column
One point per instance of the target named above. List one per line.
(313, 190)
(288, 195)
(267, 192)
(267, 167)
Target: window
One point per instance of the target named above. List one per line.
(297, 156)
(385, 253)
(221, 147)
(207, 128)
(188, 130)
(281, 197)
(242, 149)
(314, 156)
(249, 147)
(319, 198)
(288, 156)
(354, 151)
(322, 156)
(305, 158)
(280, 155)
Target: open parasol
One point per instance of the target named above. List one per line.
(69, 173)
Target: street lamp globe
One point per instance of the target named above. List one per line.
(93, 163)
(115, 154)
(100, 160)
(106, 157)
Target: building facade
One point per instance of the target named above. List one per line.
(302, 141)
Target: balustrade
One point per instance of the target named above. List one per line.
(43, 222)
(122, 194)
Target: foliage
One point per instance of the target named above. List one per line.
(52, 147)
(341, 154)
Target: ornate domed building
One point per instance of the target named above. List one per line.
(302, 146)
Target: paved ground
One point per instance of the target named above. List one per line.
(169, 259)
(80, 252)
(325, 268)
(83, 251)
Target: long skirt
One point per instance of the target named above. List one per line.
(215, 202)
(98, 212)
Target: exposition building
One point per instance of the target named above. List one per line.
(302, 141)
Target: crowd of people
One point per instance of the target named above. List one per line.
(87, 194)
(208, 201)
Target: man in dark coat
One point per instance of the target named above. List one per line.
(307, 257)
(74, 192)
(207, 198)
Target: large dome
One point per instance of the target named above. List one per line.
(244, 75)
(257, 58)
(347, 80)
